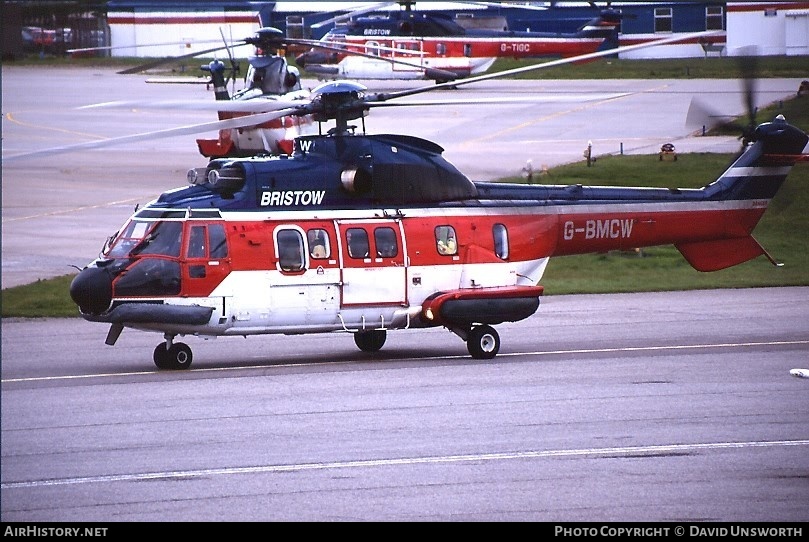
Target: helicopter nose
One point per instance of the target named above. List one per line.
(91, 290)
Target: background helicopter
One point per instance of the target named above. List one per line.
(255, 110)
(365, 234)
(407, 44)
(270, 80)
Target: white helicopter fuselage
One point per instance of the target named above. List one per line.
(358, 67)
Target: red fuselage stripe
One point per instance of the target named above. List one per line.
(479, 47)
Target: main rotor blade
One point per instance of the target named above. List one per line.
(507, 100)
(526, 6)
(162, 61)
(238, 122)
(544, 65)
(253, 105)
(113, 47)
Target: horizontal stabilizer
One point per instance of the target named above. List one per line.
(722, 253)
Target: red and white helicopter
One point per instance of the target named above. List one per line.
(407, 44)
(370, 233)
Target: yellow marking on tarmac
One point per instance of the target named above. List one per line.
(11, 118)
(73, 210)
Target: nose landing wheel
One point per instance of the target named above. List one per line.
(173, 356)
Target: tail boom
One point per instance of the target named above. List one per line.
(712, 226)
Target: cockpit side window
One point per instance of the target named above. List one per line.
(217, 241)
(197, 242)
(207, 242)
(163, 239)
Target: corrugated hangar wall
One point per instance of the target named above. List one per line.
(772, 28)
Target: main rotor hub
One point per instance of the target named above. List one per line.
(339, 100)
(266, 38)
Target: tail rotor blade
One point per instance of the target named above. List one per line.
(748, 67)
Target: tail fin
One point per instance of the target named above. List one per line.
(604, 26)
(754, 177)
(217, 71)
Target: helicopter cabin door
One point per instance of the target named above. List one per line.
(411, 54)
(373, 261)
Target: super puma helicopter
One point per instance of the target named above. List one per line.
(253, 110)
(271, 81)
(422, 45)
(367, 234)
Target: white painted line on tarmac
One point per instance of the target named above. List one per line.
(501, 355)
(405, 461)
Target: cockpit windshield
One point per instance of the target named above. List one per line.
(140, 237)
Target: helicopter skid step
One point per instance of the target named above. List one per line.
(401, 319)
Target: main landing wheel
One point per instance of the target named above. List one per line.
(483, 342)
(177, 356)
(370, 341)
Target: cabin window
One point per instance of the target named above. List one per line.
(372, 48)
(500, 234)
(663, 19)
(319, 248)
(289, 244)
(386, 244)
(440, 49)
(467, 49)
(714, 18)
(357, 242)
(445, 240)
